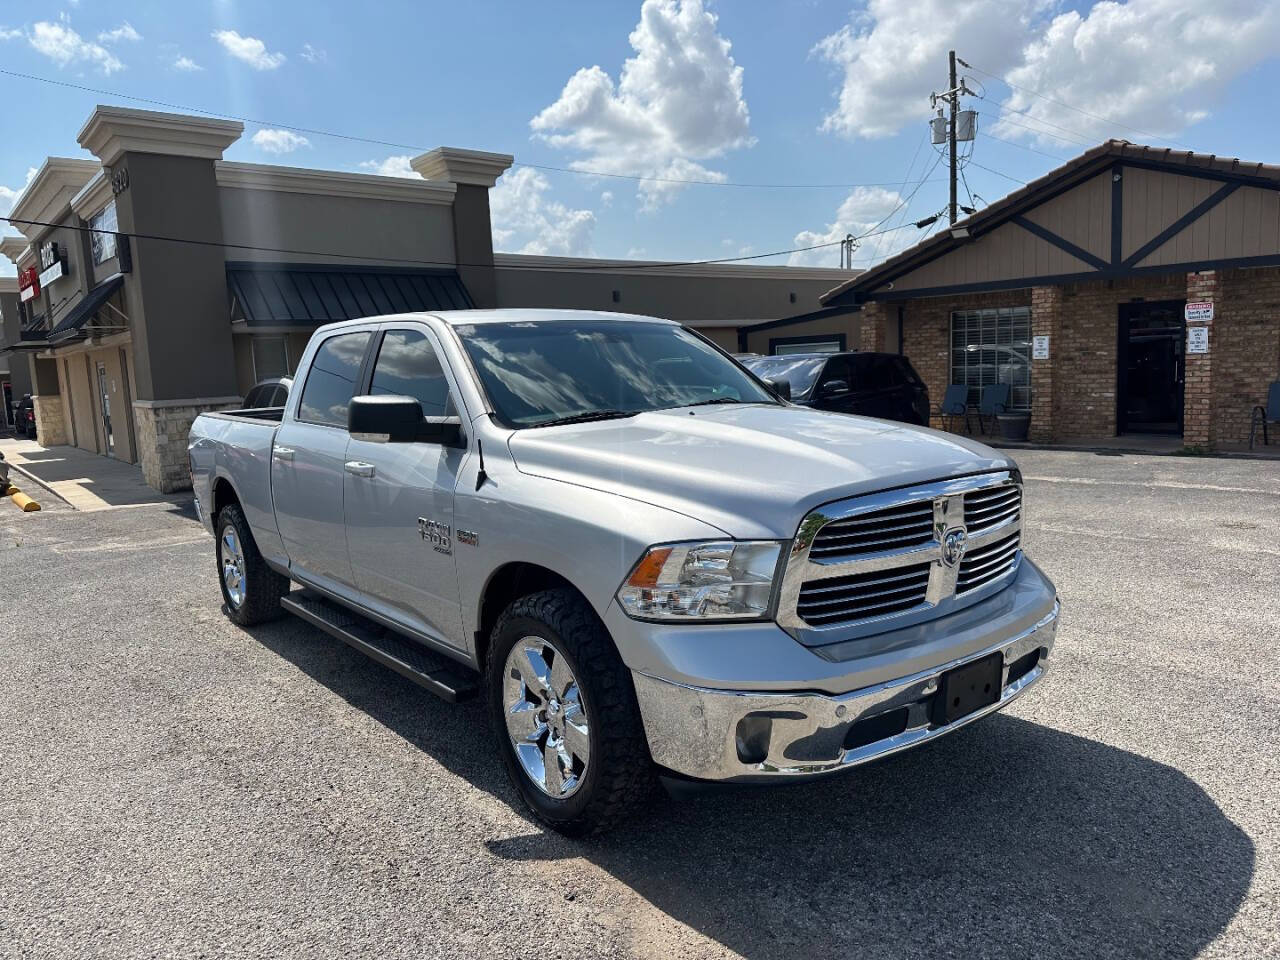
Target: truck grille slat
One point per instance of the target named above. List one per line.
(989, 563)
(863, 600)
(894, 528)
(984, 509)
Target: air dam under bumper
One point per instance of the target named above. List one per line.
(753, 736)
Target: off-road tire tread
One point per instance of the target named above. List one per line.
(264, 587)
(627, 780)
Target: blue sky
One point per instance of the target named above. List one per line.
(750, 91)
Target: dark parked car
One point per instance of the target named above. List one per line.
(24, 417)
(870, 384)
(268, 393)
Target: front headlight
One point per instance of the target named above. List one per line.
(720, 580)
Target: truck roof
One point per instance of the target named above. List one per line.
(532, 315)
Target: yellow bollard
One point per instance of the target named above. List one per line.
(25, 503)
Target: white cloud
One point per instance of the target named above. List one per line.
(7, 34)
(64, 46)
(186, 64)
(525, 220)
(313, 54)
(391, 167)
(859, 213)
(279, 141)
(123, 32)
(678, 101)
(9, 194)
(894, 54)
(249, 49)
(1155, 65)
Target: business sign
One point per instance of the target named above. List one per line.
(52, 263)
(1198, 311)
(1198, 339)
(1039, 348)
(28, 284)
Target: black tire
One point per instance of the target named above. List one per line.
(263, 587)
(620, 775)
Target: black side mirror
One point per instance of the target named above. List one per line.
(781, 388)
(391, 419)
(834, 388)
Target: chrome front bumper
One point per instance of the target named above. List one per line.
(752, 736)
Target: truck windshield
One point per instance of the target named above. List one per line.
(545, 372)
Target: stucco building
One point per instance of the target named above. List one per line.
(158, 280)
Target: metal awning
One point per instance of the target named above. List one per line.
(305, 295)
(70, 326)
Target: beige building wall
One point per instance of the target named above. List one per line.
(848, 324)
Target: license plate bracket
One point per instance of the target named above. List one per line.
(969, 688)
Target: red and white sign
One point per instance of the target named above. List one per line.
(1198, 311)
(28, 284)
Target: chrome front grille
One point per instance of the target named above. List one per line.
(984, 509)
(874, 594)
(896, 528)
(877, 562)
(979, 567)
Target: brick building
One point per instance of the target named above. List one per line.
(1102, 257)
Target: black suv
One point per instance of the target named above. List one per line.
(869, 384)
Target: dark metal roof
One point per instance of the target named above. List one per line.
(70, 325)
(1086, 165)
(304, 295)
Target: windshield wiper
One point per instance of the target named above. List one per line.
(587, 417)
(704, 403)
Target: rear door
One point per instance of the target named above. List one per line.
(399, 496)
(307, 462)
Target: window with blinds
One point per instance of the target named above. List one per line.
(993, 346)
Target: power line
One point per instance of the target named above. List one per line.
(997, 173)
(1067, 106)
(353, 138)
(655, 265)
(1021, 146)
(1074, 136)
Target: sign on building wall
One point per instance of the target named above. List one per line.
(1039, 348)
(52, 263)
(1198, 311)
(28, 284)
(1198, 337)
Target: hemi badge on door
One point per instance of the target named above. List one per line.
(469, 537)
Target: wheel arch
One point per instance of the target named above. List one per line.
(505, 585)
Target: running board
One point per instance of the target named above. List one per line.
(447, 680)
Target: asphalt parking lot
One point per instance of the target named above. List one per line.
(173, 786)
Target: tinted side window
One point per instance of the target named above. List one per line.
(906, 371)
(279, 396)
(254, 398)
(331, 382)
(878, 373)
(408, 366)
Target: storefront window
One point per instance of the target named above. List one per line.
(270, 358)
(104, 244)
(993, 346)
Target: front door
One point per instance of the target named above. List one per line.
(104, 394)
(398, 499)
(1150, 367)
(307, 464)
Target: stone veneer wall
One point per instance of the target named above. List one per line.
(51, 429)
(162, 442)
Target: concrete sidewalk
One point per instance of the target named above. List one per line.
(84, 480)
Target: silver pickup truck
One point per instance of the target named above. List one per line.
(647, 562)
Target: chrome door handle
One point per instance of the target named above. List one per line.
(282, 453)
(358, 468)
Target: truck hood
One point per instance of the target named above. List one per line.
(751, 470)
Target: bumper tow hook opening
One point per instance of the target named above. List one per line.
(753, 739)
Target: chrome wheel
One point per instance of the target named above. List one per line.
(546, 717)
(231, 559)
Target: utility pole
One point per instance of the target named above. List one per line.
(958, 125)
(955, 95)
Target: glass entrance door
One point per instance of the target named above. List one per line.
(1151, 368)
(105, 393)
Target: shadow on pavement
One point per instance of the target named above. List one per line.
(1006, 839)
